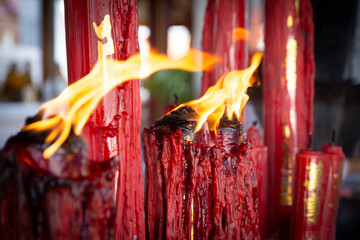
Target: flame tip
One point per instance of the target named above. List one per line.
(228, 96)
(74, 105)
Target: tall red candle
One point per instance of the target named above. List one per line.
(198, 185)
(261, 173)
(308, 195)
(114, 127)
(288, 101)
(334, 158)
(221, 20)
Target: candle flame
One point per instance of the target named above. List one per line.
(228, 96)
(240, 34)
(73, 107)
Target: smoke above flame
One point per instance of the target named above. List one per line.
(228, 96)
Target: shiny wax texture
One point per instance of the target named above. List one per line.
(64, 197)
(221, 19)
(288, 92)
(261, 173)
(309, 195)
(198, 191)
(114, 127)
(334, 159)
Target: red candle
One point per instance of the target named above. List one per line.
(334, 158)
(308, 195)
(66, 196)
(114, 127)
(199, 186)
(288, 101)
(222, 18)
(261, 173)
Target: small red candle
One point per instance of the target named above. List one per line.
(308, 195)
(261, 172)
(334, 158)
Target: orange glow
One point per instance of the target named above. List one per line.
(240, 34)
(73, 107)
(227, 95)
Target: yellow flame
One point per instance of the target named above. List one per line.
(227, 95)
(75, 104)
(73, 107)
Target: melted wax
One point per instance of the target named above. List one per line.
(65, 197)
(199, 186)
(114, 127)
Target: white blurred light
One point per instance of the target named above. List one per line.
(144, 34)
(178, 41)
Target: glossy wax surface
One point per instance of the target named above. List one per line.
(254, 134)
(199, 186)
(65, 197)
(309, 195)
(221, 19)
(114, 127)
(288, 91)
(334, 159)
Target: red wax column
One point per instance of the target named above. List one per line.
(261, 173)
(288, 101)
(334, 158)
(221, 19)
(308, 195)
(199, 186)
(114, 127)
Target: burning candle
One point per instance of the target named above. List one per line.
(261, 173)
(288, 91)
(199, 186)
(67, 196)
(308, 195)
(334, 157)
(200, 170)
(225, 35)
(103, 28)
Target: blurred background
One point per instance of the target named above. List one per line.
(33, 70)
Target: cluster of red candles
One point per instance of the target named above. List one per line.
(318, 176)
(198, 185)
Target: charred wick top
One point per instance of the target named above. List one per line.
(185, 119)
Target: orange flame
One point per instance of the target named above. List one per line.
(240, 34)
(75, 104)
(227, 95)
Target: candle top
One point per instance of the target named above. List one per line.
(333, 150)
(309, 153)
